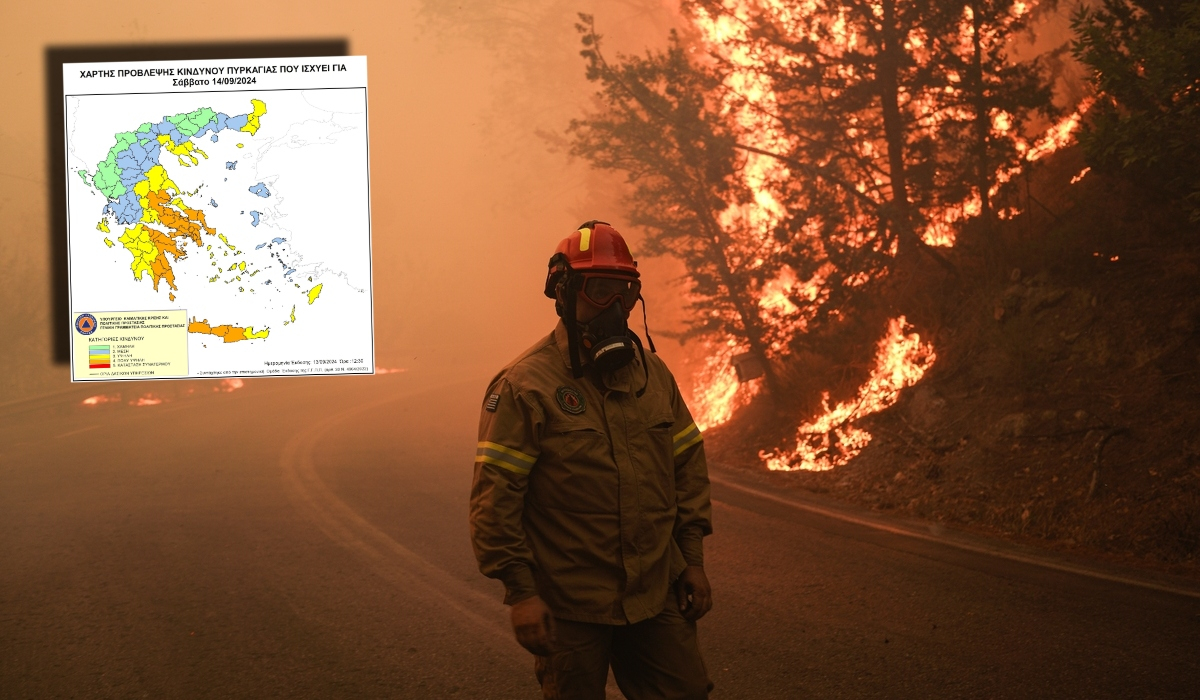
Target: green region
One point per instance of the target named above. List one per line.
(84, 174)
(144, 128)
(108, 175)
(191, 122)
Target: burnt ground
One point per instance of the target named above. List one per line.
(1063, 408)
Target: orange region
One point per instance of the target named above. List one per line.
(231, 334)
(159, 267)
(184, 224)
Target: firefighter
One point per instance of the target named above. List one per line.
(590, 498)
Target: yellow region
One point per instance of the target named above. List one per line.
(242, 266)
(314, 293)
(293, 316)
(232, 267)
(260, 108)
(226, 242)
(251, 334)
(149, 248)
(108, 243)
(183, 150)
(137, 241)
(241, 145)
(103, 226)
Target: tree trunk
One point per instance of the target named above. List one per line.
(983, 126)
(746, 311)
(887, 83)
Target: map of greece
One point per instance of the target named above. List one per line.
(247, 209)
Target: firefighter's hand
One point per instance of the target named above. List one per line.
(694, 593)
(533, 625)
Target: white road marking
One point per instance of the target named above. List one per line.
(76, 432)
(1043, 562)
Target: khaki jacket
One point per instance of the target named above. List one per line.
(584, 493)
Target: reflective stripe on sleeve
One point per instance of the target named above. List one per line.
(505, 457)
(686, 438)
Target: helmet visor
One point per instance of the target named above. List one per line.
(600, 290)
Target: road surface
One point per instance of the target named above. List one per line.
(306, 538)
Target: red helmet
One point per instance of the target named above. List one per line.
(595, 247)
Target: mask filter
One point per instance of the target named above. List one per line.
(606, 339)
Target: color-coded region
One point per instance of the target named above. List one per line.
(314, 293)
(99, 357)
(254, 217)
(230, 334)
(108, 243)
(260, 108)
(103, 226)
(148, 247)
(260, 190)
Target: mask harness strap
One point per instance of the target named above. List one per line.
(638, 342)
(569, 302)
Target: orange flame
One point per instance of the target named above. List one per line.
(100, 398)
(718, 394)
(832, 439)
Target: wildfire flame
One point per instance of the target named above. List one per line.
(718, 394)
(99, 399)
(228, 385)
(832, 439)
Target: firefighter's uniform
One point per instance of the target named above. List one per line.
(595, 498)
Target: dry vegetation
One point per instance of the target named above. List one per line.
(1062, 409)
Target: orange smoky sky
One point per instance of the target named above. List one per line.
(470, 193)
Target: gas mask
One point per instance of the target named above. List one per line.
(606, 339)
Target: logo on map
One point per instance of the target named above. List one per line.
(86, 324)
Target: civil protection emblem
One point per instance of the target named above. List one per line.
(570, 400)
(86, 324)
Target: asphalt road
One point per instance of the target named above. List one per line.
(307, 538)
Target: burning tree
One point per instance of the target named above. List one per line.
(1145, 58)
(794, 155)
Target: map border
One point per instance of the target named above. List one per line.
(71, 311)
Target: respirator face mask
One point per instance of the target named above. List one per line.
(606, 339)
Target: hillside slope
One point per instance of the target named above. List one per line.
(1064, 407)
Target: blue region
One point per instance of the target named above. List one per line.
(279, 240)
(268, 281)
(166, 127)
(214, 138)
(231, 165)
(236, 123)
(260, 246)
(260, 190)
(126, 210)
(212, 202)
(290, 271)
(254, 215)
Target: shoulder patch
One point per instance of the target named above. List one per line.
(570, 400)
(492, 402)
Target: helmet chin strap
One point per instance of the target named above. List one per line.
(570, 301)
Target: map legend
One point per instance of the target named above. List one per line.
(99, 357)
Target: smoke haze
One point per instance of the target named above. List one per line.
(469, 192)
